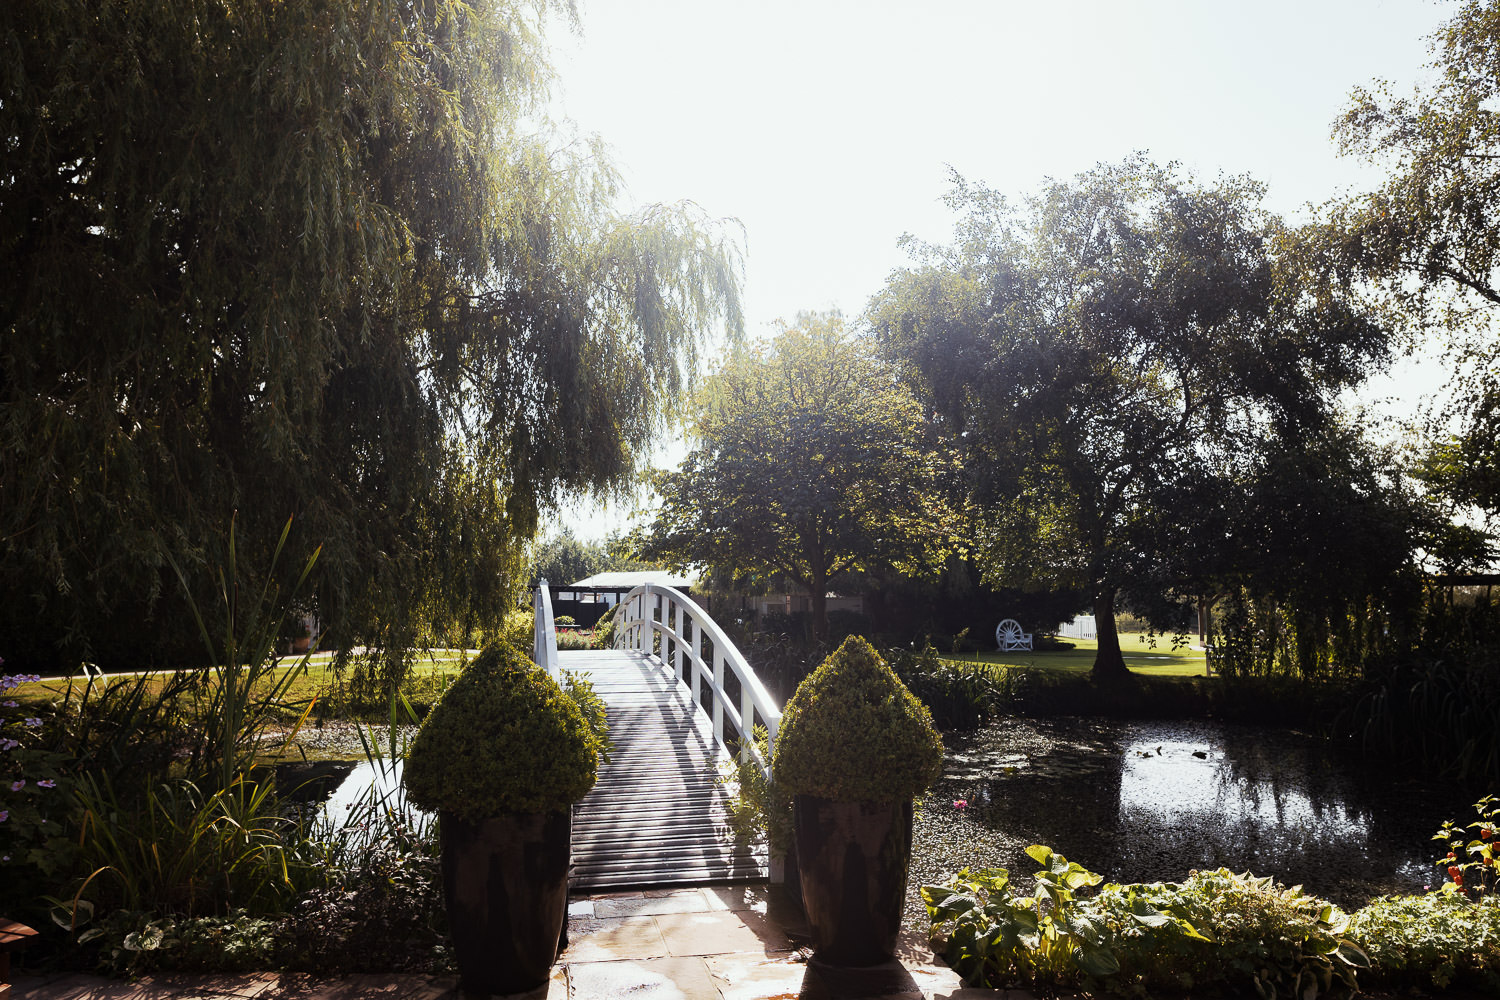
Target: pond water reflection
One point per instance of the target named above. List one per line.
(1142, 801)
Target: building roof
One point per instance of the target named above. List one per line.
(634, 579)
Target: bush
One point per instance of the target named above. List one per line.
(504, 738)
(605, 629)
(1437, 939)
(1255, 933)
(574, 640)
(182, 852)
(959, 695)
(1215, 930)
(852, 731)
(519, 628)
(133, 942)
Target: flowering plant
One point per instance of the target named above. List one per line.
(1473, 861)
(32, 792)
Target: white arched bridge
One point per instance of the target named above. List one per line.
(681, 699)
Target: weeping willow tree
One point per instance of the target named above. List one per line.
(322, 258)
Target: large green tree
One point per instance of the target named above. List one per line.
(812, 462)
(1088, 349)
(1429, 237)
(314, 257)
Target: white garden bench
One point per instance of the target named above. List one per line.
(1008, 636)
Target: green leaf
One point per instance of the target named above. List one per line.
(1352, 954)
(1040, 853)
(1097, 962)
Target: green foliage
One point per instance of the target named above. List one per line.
(993, 937)
(574, 640)
(345, 267)
(1437, 713)
(133, 942)
(504, 738)
(1472, 859)
(1216, 929)
(852, 731)
(1429, 238)
(757, 807)
(1305, 542)
(812, 463)
(595, 713)
(960, 695)
(605, 628)
(36, 800)
(563, 559)
(181, 851)
(1437, 939)
(1258, 933)
(245, 687)
(1094, 349)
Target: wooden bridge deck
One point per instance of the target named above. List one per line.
(656, 816)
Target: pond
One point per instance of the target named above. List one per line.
(1151, 801)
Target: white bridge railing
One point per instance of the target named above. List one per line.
(544, 641)
(667, 623)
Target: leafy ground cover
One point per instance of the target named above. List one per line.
(1217, 931)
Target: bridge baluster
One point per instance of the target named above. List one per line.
(688, 643)
(747, 720)
(718, 714)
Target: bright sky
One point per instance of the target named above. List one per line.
(827, 127)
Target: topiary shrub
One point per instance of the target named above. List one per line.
(505, 738)
(853, 732)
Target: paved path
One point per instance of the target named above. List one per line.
(657, 817)
(727, 942)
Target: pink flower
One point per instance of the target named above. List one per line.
(46, 783)
(4, 815)
(960, 804)
(16, 786)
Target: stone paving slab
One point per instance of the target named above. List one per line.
(729, 942)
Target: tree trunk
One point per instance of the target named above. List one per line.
(1109, 663)
(818, 608)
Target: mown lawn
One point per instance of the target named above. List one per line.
(318, 680)
(1160, 660)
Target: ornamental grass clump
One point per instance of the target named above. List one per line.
(505, 738)
(853, 732)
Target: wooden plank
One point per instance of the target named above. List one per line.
(657, 816)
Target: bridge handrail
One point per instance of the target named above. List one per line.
(544, 641)
(640, 608)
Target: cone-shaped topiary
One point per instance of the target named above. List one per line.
(505, 738)
(852, 731)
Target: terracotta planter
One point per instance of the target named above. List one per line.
(853, 859)
(505, 881)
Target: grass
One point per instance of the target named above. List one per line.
(1140, 657)
(317, 681)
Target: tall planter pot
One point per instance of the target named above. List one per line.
(505, 882)
(853, 859)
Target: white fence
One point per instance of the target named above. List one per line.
(1081, 627)
(668, 624)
